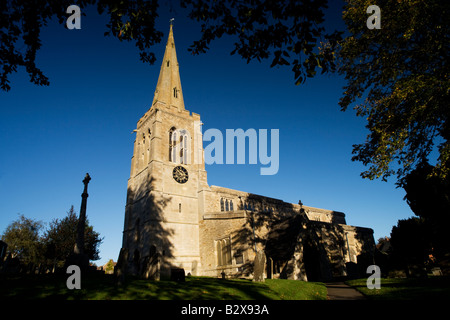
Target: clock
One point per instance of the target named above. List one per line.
(180, 174)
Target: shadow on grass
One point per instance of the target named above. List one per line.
(102, 287)
(53, 286)
(436, 288)
(196, 288)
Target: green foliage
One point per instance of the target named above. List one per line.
(109, 266)
(427, 195)
(61, 236)
(401, 73)
(411, 242)
(23, 239)
(429, 198)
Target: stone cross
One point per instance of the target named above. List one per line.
(79, 245)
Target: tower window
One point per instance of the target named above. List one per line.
(172, 143)
(182, 148)
(179, 207)
(179, 145)
(175, 93)
(168, 62)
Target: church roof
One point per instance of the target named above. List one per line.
(168, 89)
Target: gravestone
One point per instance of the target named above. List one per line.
(177, 274)
(152, 266)
(259, 267)
(194, 267)
(436, 271)
(3, 247)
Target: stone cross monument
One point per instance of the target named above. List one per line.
(78, 257)
(79, 245)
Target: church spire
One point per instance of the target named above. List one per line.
(168, 89)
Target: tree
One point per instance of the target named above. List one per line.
(287, 31)
(21, 23)
(61, 236)
(429, 198)
(23, 239)
(290, 32)
(109, 269)
(411, 243)
(401, 74)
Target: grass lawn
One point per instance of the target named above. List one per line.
(101, 287)
(436, 288)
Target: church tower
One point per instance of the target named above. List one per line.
(174, 220)
(167, 181)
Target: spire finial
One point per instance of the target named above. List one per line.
(171, 21)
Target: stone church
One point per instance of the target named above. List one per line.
(174, 220)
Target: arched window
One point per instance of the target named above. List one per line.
(227, 251)
(143, 149)
(221, 205)
(172, 144)
(223, 248)
(231, 205)
(183, 139)
(179, 140)
(226, 205)
(184, 150)
(219, 253)
(149, 135)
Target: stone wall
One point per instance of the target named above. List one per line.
(321, 245)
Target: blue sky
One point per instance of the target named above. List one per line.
(51, 136)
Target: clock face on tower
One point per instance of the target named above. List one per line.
(180, 174)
